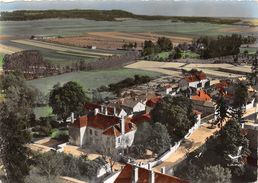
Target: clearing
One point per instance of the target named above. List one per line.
(89, 80)
(174, 68)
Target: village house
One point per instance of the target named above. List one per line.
(133, 174)
(203, 102)
(198, 80)
(102, 132)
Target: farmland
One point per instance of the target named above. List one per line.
(174, 69)
(89, 80)
(114, 40)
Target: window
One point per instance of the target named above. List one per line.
(199, 85)
(90, 131)
(96, 133)
(119, 140)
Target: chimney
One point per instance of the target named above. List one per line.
(115, 111)
(102, 109)
(135, 174)
(106, 111)
(163, 170)
(72, 117)
(96, 111)
(122, 125)
(151, 177)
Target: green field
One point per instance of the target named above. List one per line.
(251, 51)
(1, 59)
(42, 111)
(190, 54)
(89, 80)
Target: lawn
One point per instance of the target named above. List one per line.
(251, 51)
(42, 111)
(164, 55)
(190, 54)
(1, 59)
(89, 80)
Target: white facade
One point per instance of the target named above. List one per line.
(198, 84)
(139, 107)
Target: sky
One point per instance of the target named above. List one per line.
(209, 8)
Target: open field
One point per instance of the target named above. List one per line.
(58, 48)
(114, 40)
(68, 27)
(89, 80)
(174, 69)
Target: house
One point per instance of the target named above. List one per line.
(133, 174)
(203, 102)
(108, 109)
(197, 80)
(102, 132)
(153, 101)
(132, 105)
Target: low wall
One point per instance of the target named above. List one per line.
(170, 151)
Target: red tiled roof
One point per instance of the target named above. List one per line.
(80, 122)
(116, 130)
(99, 121)
(141, 118)
(195, 77)
(201, 96)
(126, 175)
(153, 101)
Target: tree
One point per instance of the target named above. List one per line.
(15, 116)
(159, 140)
(50, 164)
(67, 99)
(164, 44)
(176, 113)
(221, 110)
(239, 99)
(215, 174)
(230, 139)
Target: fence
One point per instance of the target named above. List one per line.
(170, 151)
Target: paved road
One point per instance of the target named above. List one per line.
(197, 138)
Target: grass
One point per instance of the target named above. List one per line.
(164, 55)
(251, 51)
(190, 54)
(42, 111)
(1, 59)
(89, 80)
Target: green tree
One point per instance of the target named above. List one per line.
(176, 113)
(239, 99)
(164, 44)
(159, 140)
(230, 139)
(67, 99)
(221, 110)
(15, 116)
(215, 174)
(148, 48)
(50, 164)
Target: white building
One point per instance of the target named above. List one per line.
(101, 132)
(198, 81)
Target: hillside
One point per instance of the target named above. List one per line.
(103, 15)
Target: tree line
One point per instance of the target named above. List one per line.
(32, 64)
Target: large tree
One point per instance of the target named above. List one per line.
(176, 113)
(214, 174)
(67, 99)
(164, 44)
(239, 99)
(222, 111)
(159, 140)
(15, 116)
